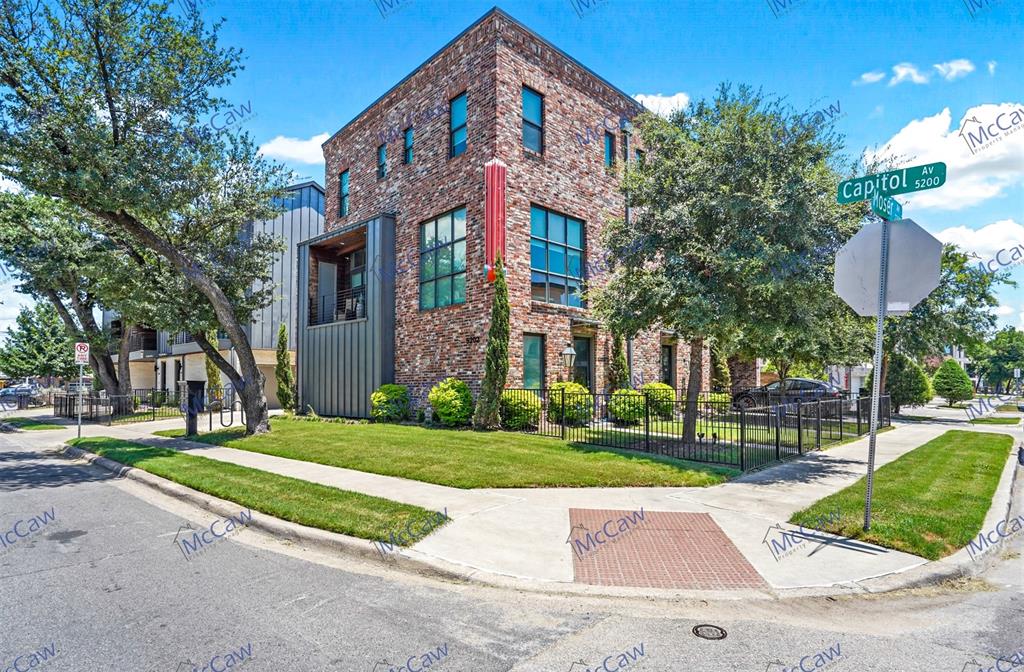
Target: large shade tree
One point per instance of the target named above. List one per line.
(38, 345)
(99, 102)
(734, 228)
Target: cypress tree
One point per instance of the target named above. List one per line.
(496, 365)
(213, 386)
(618, 367)
(283, 371)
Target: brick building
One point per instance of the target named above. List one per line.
(499, 141)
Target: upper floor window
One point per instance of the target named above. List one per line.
(640, 157)
(609, 150)
(407, 151)
(343, 194)
(556, 257)
(443, 260)
(382, 161)
(533, 120)
(457, 125)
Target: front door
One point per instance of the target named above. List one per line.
(582, 370)
(326, 292)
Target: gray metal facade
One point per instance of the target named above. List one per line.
(341, 363)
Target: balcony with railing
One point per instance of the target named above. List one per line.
(183, 342)
(142, 343)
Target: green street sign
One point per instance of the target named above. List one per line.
(887, 208)
(902, 181)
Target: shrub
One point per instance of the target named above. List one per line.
(662, 399)
(579, 403)
(496, 361)
(618, 367)
(452, 402)
(951, 382)
(905, 382)
(519, 410)
(283, 371)
(626, 407)
(390, 403)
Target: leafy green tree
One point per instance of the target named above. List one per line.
(735, 228)
(951, 383)
(496, 362)
(721, 378)
(39, 345)
(907, 384)
(99, 102)
(1000, 356)
(618, 366)
(283, 370)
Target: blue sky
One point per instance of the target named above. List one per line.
(905, 75)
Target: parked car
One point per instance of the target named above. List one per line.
(788, 391)
(10, 395)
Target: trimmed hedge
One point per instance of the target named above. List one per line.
(579, 403)
(519, 410)
(452, 402)
(390, 403)
(662, 399)
(626, 407)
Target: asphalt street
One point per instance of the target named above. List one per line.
(98, 582)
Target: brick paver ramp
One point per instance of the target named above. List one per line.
(666, 549)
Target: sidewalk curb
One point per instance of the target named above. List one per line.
(281, 529)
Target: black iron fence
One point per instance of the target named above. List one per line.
(148, 405)
(719, 432)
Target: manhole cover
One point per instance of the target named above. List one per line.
(709, 631)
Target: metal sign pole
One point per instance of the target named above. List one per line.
(81, 374)
(876, 377)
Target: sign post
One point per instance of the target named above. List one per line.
(81, 358)
(900, 249)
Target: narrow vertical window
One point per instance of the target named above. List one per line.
(609, 150)
(343, 194)
(407, 152)
(533, 120)
(457, 126)
(640, 157)
(533, 361)
(382, 161)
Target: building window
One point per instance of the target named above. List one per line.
(343, 194)
(640, 157)
(443, 260)
(533, 361)
(609, 150)
(668, 365)
(407, 153)
(382, 162)
(581, 368)
(457, 125)
(556, 257)
(533, 120)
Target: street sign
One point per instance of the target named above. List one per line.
(914, 260)
(81, 358)
(81, 353)
(887, 208)
(902, 181)
(1016, 373)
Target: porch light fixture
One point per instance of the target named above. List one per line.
(568, 356)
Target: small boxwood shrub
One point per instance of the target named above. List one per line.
(390, 403)
(452, 402)
(519, 410)
(662, 399)
(579, 403)
(626, 407)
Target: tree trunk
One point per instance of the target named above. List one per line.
(885, 372)
(250, 385)
(124, 372)
(693, 385)
(783, 366)
(99, 358)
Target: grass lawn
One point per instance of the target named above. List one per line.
(913, 418)
(464, 458)
(32, 424)
(931, 502)
(287, 498)
(995, 421)
(1008, 408)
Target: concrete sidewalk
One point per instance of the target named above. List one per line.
(719, 532)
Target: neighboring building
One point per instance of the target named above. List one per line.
(162, 360)
(851, 378)
(498, 142)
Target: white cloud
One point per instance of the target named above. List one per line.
(661, 104)
(1003, 311)
(971, 178)
(951, 70)
(991, 67)
(877, 112)
(869, 78)
(9, 185)
(985, 242)
(11, 303)
(296, 149)
(903, 72)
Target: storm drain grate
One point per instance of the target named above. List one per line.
(706, 631)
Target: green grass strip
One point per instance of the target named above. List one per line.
(32, 424)
(995, 421)
(291, 499)
(930, 502)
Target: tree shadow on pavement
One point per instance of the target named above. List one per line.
(20, 470)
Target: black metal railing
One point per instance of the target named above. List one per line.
(719, 432)
(183, 337)
(148, 405)
(347, 305)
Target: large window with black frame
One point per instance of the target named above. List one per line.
(557, 247)
(443, 260)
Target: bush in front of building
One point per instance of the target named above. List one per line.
(662, 399)
(390, 403)
(579, 403)
(626, 407)
(519, 410)
(951, 382)
(906, 383)
(452, 402)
